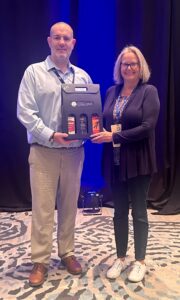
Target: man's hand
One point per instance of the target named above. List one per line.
(59, 138)
(102, 137)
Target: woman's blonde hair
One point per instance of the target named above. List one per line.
(144, 68)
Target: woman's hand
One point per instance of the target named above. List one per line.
(102, 137)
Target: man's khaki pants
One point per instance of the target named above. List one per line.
(55, 176)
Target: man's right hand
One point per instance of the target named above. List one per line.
(59, 138)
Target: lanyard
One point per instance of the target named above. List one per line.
(119, 107)
(60, 78)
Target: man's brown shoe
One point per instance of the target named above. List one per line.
(38, 275)
(72, 265)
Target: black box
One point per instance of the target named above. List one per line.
(92, 203)
(81, 110)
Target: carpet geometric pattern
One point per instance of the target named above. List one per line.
(95, 250)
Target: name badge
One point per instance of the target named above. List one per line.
(116, 128)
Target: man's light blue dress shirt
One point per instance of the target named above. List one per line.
(39, 100)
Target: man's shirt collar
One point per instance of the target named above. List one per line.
(50, 65)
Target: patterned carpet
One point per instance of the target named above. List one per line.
(95, 249)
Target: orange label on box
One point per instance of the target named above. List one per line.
(95, 124)
(71, 125)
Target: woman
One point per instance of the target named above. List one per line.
(130, 115)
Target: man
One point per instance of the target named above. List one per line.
(55, 163)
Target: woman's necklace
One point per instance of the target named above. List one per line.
(120, 104)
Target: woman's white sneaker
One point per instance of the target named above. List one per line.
(138, 272)
(116, 269)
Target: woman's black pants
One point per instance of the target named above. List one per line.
(132, 192)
